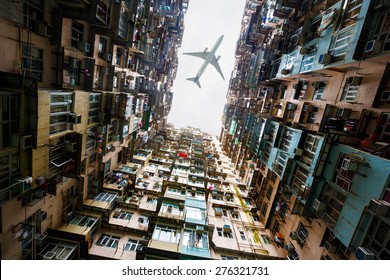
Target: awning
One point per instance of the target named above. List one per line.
(134, 50)
(182, 155)
(328, 18)
(60, 161)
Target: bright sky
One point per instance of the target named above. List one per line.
(205, 21)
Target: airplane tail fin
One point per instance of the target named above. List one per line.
(195, 80)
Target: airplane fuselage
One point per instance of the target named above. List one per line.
(209, 58)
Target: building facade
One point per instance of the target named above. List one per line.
(305, 123)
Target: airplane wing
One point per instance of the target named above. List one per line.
(214, 62)
(202, 55)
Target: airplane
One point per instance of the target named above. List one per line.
(209, 57)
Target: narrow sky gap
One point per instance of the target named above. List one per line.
(205, 22)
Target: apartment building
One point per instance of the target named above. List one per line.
(305, 124)
(84, 84)
(90, 168)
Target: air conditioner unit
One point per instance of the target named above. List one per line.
(308, 108)
(39, 194)
(101, 129)
(385, 96)
(227, 228)
(349, 165)
(109, 57)
(317, 84)
(275, 165)
(381, 4)
(285, 71)
(325, 58)
(74, 118)
(266, 137)
(293, 235)
(329, 247)
(50, 255)
(41, 239)
(45, 29)
(291, 106)
(117, 211)
(363, 253)
(68, 217)
(26, 141)
(379, 207)
(373, 46)
(199, 230)
(298, 151)
(304, 50)
(218, 211)
(354, 80)
(340, 112)
(84, 46)
(318, 205)
(71, 147)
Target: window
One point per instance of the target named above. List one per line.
(105, 197)
(103, 11)
(266, 239)
(344, 173)
(217, 196)
(132, 245)
(166, 234)
(224, 213)
(102, 47)
(9, 118)
(123, 23)
(382, 31)
(151, 200)
(77, 34)
(255, 218)
(192, 239)
(94, 107)
(108, 241)
(32, 62)
(223, 233)
(340, 42)
(319, 88)
(61, 104)
(170, 208)
(195, 213)
(242, 235)
(143, 220)
(90, 143)
(308, 61)
(33, 13)
(225, 257)
(235, 214)
(269, 192)
(334, 200)
(351, 88)
(173, 191)
(229, 198)
(8, 168)
(264, 209)
(123, 215)
(302, 234)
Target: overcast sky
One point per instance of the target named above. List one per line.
(205, 21)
